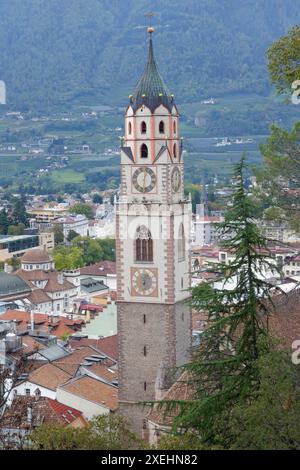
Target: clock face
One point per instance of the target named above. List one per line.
(176, 179)
(144, 282)
(144, 179)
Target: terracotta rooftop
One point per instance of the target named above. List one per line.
(48, 376)
(45, 275)
(182, 389)
(36, 256)
(71, 362)
(93, 390)
(44, 410)
(103, 372)
(103, 268)
(108, 345)
(284, 321)
(38, 296)
(42, 322)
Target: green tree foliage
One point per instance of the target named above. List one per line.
(108, 246)
(194, 190)
(280, 177)
(19, 211)
(16, 229)
(271, 420)
(4, 222)
(84, 209)
(84, 251)
(267, 421)
(224, 370)
(284, 61)
(71, 235)
(68, 258)
(97, 47)
(181, 441)
(14, 262)
(108, 432)
(58, 234)
(91, 249)
(97, 199)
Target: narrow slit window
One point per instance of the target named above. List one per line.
(161, 127)
(144, 151)
(143, 127)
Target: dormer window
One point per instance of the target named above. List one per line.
(161, 127)
(144, 151)
(143, 127)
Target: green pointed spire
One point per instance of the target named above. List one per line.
(151, 89)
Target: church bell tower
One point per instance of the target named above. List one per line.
(152, 239)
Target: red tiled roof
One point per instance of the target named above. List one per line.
(36, 256)
(38, 296)
(58, 328)
(44, 410)
(49, 376)
(93, 390)
(65, 413)
(103, 268)
(71, 362)
(108, 345)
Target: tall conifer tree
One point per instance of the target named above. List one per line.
(223, 371)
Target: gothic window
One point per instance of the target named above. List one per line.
(129, 128)
(143, 127)
(143, 245)
(181, 243)
(161, 127)
(144, 151)
(175, 151)
(174, 127)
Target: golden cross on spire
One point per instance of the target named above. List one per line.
(150, 16)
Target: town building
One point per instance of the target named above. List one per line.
(205, 230)
(46, 213)
(153, 220)
(52, 291)
(104, 271)
(16, 246)
(90, 396)
(74, 222)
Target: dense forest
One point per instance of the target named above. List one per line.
(64, 52)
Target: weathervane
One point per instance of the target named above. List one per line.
(150, 16)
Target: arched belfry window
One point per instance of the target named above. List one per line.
(143, 245)
(181, 243)
(174, 127)
(175, 151)
(129, 128)
(143, 127)
(144, 151)
(161, 127)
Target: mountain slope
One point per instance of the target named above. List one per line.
(93, 51)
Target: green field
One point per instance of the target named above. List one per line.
(67, 176)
